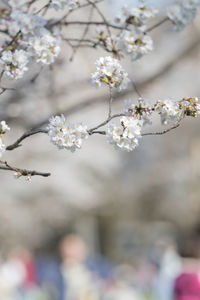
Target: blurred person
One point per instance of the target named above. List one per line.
(144, 276)
(187, 284)
(12, 276)
(26, 258)
(121, 286)
(78, 272)
(49, 277)
(80, 282)
(18, 277)
(169, 267)
(28, 289)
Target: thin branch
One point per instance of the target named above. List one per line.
(14, 39)
(60, 21)
(107, 24)
(36, 75)
(3, 89)
(93, 23)
(103, 18)
(157, 24)
(102, 132)
(24, 136)
(110, 102)
(45, 8)
(91, 131)
(83, 35)
(82, 43)
(79, 40)
(136, 89)
(162, 132)
(22, 172)
(98, 132)
(4, 31)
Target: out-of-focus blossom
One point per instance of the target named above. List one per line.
(136, 43)
(61, 4)
(183, 13)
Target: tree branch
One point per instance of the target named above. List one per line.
(22, 172)
(102, 132)
(58, 22)
(23, 137)
(110, 102)
(162, 132)
(140, 85)
(157, 24)
(91, 131)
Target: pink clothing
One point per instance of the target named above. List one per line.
(187, 287)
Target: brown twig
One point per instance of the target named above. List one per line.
(83, 35)
(162, 132)
(110, 102)
(93, 23)
(157, 24)
(60, 21)
(23, 137)
(93, 130)
(3, 89)
(102, 132)
(22, 172)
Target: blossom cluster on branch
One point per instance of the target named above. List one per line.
(136, 115)
(110, 72)
(33, 38)
(66, 136)
(28, 40)
(133, 38)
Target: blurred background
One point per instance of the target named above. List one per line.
(106, 224)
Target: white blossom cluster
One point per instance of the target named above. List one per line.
(26, 23)
(126, 135)
(110, 72)
(183, 13)
(169, 110)
(135, 16)
(3, 129)
(133, 39)
(141, 111)
(61, 4)
(65, 135)
(29, 41)
(14, 64)
(44, 47)
(136, 43)
(190, 106)
(110, 43)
